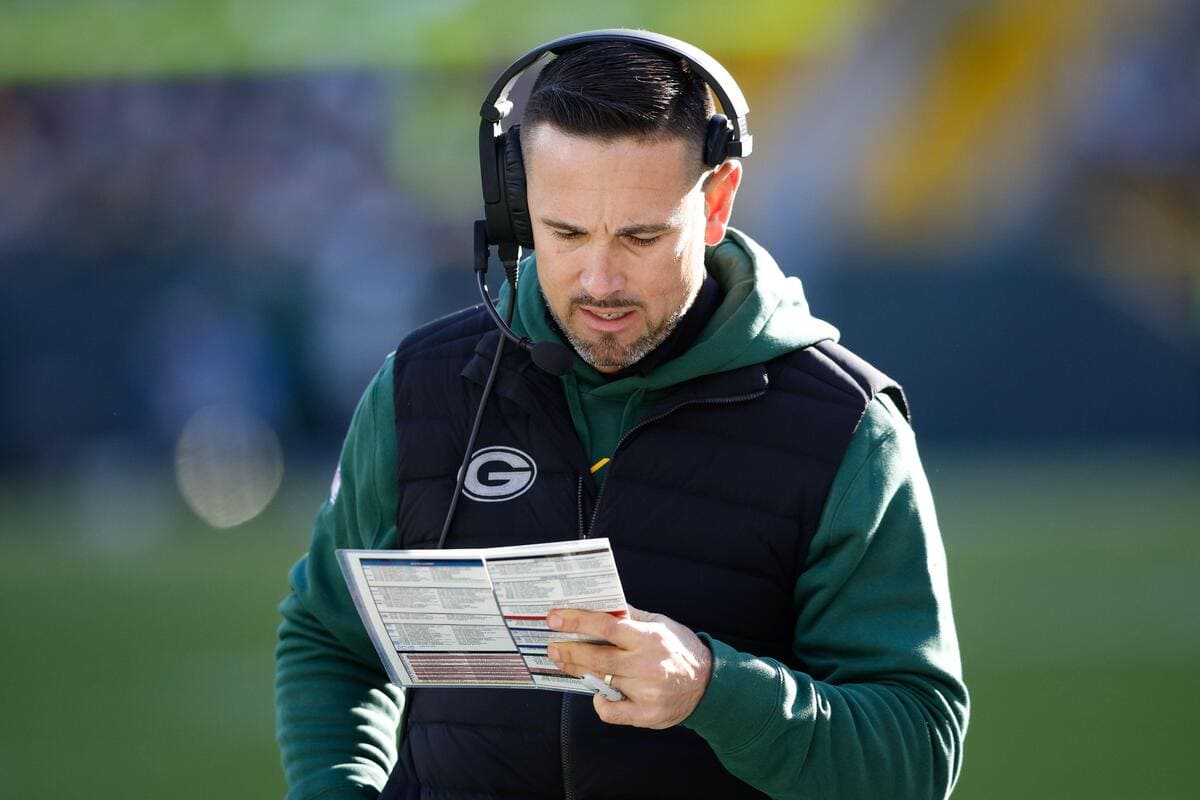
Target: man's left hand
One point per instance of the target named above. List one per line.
(660, 666)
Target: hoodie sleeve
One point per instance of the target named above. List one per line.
(336, 713)
(882, 709)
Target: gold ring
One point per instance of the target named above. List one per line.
(608, 680)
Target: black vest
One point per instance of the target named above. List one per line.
(710, 503)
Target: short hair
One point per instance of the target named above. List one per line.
(619, 89)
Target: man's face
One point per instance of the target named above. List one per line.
(620, 228)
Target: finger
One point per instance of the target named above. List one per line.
(600, 624)
(606, 711)
(621, 712)
(599, 659)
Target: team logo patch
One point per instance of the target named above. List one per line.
(498, 473)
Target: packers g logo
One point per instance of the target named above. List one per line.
(498, 473)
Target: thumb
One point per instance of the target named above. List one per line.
(637, 615)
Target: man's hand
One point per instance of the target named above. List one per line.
(660, 666)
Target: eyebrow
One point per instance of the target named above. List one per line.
(628, 230)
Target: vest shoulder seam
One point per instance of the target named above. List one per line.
(462, 325)
(846, 385)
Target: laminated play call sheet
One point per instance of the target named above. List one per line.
(477, 617)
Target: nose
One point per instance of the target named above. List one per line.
(601, 277)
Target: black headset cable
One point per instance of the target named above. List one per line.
(487, 391)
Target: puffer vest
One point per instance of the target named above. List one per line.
(710, 503)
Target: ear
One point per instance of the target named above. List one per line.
(719, 190)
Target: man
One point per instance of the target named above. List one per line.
(759, 484)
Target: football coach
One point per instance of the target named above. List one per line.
(655, 379)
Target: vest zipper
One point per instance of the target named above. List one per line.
(579, 506)
(564, 726)
(564, 718)
(710, 401)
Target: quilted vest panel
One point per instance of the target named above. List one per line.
(709, 503)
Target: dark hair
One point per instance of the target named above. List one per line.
(614, 89)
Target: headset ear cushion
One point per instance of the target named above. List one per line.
(514, 188)
(716, 140)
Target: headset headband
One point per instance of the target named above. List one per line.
(496, 106)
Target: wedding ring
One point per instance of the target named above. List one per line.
(608, 680)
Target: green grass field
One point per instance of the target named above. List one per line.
(145, 671)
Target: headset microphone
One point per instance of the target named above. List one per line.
(550, 357)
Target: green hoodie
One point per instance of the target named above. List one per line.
(763, 315)
(874, 609)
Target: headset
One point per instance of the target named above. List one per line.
(506, 224)
(503, 170)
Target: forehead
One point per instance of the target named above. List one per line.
(556, 161)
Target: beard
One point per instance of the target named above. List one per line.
(605, 352)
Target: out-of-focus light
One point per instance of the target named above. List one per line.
(228, 465)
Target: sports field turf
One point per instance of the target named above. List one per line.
(144, 669)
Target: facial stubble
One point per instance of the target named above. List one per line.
(606, 353)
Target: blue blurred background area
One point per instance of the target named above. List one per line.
(217, 218)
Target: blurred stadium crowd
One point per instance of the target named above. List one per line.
(217, 216)
(997, 202)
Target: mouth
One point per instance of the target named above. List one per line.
(607, 320)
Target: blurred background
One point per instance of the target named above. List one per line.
(217, 218)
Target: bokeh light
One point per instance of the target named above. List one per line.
(228, 465)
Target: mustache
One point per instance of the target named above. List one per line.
(611, 302)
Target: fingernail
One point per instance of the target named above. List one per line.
(554, 621)
(552, 652)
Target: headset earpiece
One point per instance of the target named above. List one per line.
(514, 188)
(716, 140)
